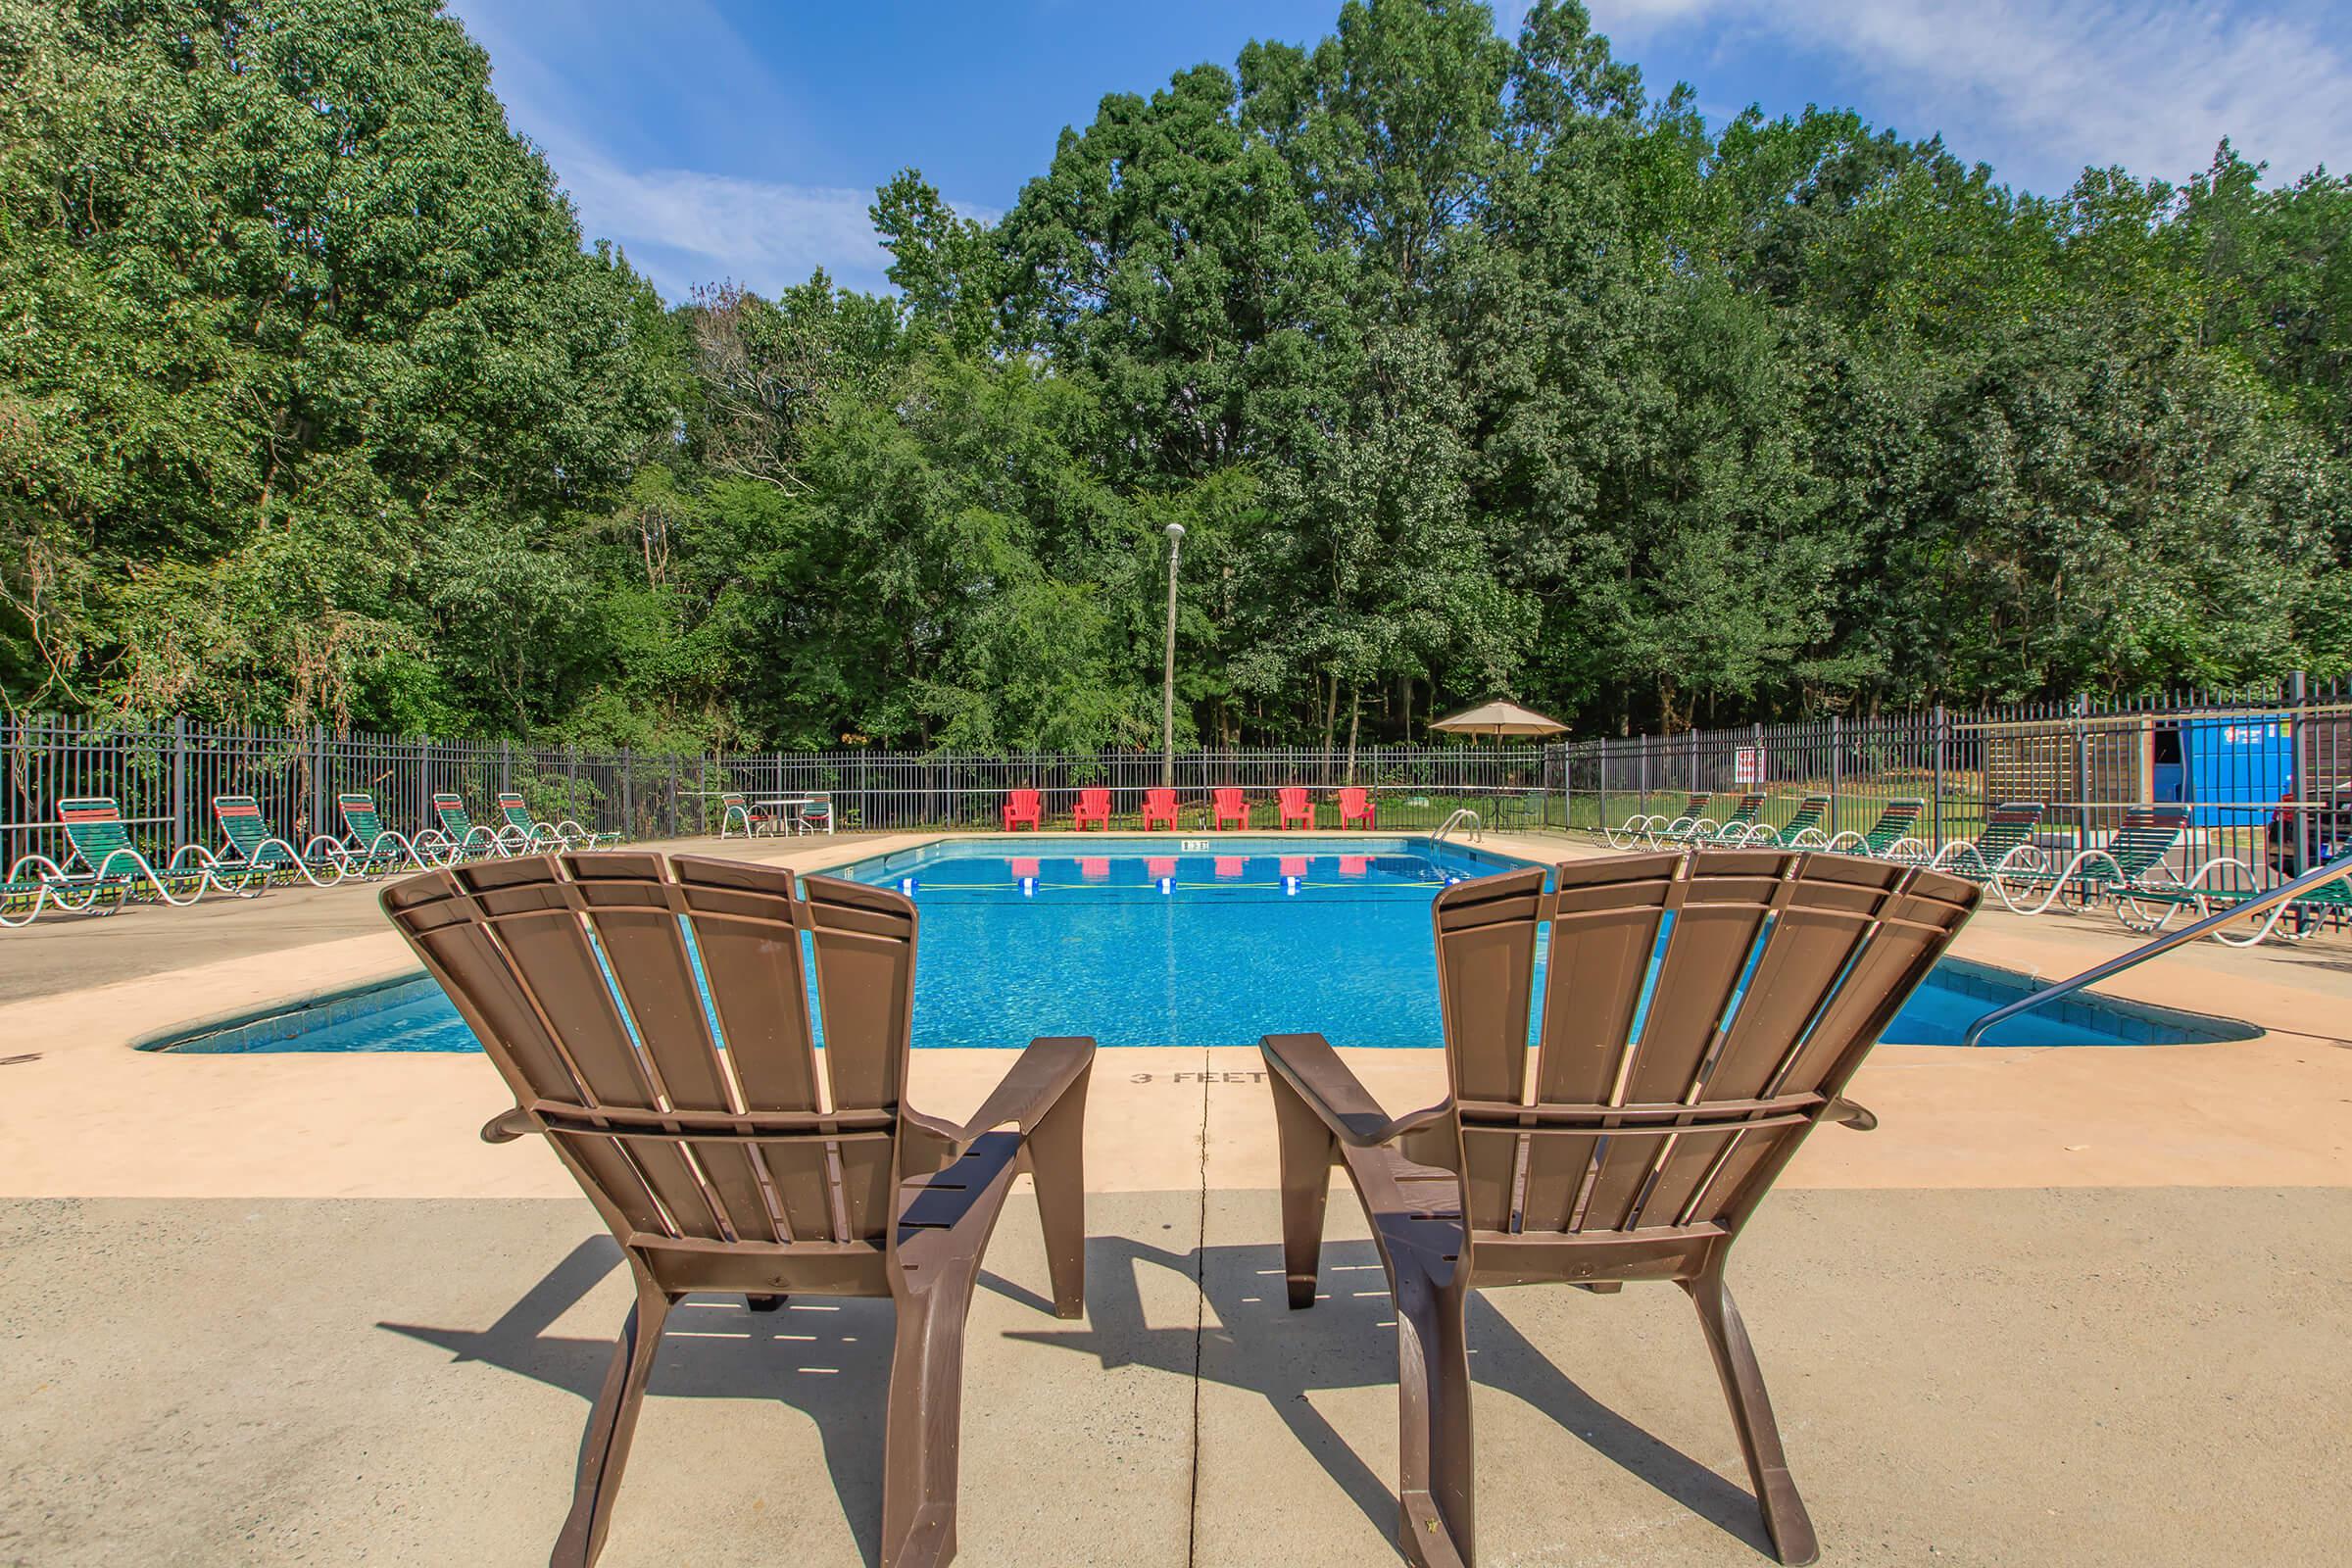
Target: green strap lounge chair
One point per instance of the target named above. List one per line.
(537, 835)
(468, 839)
(2006, 844)
(2299, 919)
(1802, 830)
(323, 864)
(367, 837)
(1735, 829)
(1641, 830)
(102, 852)
(1889, 836)
(2133, 860)
(35, 881)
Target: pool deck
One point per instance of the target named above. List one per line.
(2080, 1306)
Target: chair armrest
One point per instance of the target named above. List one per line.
(507, 1126)
(1337, 1096)
(1043, 1074)
(1046, 1072)
(1846, 1113)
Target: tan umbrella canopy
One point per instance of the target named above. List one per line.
(1499, 718)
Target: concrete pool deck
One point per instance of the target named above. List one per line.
(2066, 1305)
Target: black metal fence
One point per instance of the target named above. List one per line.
(165, 776)
(2267, 778)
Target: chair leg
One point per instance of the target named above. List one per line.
(605, 1449)
(1306, 1148)
(1784, 1518)
(1054, 1152)
(1438, 1485)
(923, 1427)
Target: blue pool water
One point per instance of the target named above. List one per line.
(1198, 943)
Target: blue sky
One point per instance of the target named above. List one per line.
(729, 139)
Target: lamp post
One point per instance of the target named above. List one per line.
(1167, 667)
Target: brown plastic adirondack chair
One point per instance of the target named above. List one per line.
(745, 1161)
(1647, 1130)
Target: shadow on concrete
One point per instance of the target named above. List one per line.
(829, 1357)
(1349, 1340)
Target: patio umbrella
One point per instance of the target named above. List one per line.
(1499, 718)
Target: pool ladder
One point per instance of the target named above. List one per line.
(1459, 816)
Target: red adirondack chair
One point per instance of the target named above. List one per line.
(1023, 805)
(1094, 806)
(1355, 805)
(1159, 809)
(1230, 806)
(1296, 806)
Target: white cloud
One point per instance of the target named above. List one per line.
(679, 226)
(2040, 88)
(692, 227)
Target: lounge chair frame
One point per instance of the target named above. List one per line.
(1646, 830)
(467, 839)
(1889, 836)
(1634, 1144)
(1803, 831)
(380, 846)
(566, 834)
(723, 1149)
(250, 844)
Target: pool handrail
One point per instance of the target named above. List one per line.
(2260, 903)
(1455, 818)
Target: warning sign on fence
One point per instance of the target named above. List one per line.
(1748, 767)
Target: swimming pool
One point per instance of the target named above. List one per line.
(1166, 941)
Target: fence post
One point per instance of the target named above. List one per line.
(628, 794)
(2083, 773)
(674, 795)
(180, 780)
(1937, 795)
(1837, 765)
(318, 778)
(2299, 767)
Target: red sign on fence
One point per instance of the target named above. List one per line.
(1748, 767)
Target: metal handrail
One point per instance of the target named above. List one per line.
(1452, 818)
(2260, 903)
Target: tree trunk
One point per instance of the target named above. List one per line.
(1355, 715)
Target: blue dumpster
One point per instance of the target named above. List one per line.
(2245, 763)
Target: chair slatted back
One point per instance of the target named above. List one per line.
(696, 1108)
(2007, 826)
(456, 820)
(1695, 804)
(510, 804)
(1810, 812)
(1293, 798)
(2147, 837)
(94, 826)
(1672, 1101)
(241, 823)
(1160, 800)
(1896, 822)
(1095, 801)
(1354, 800)
(1750, 806)
(1227, 797)
(360, 818)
